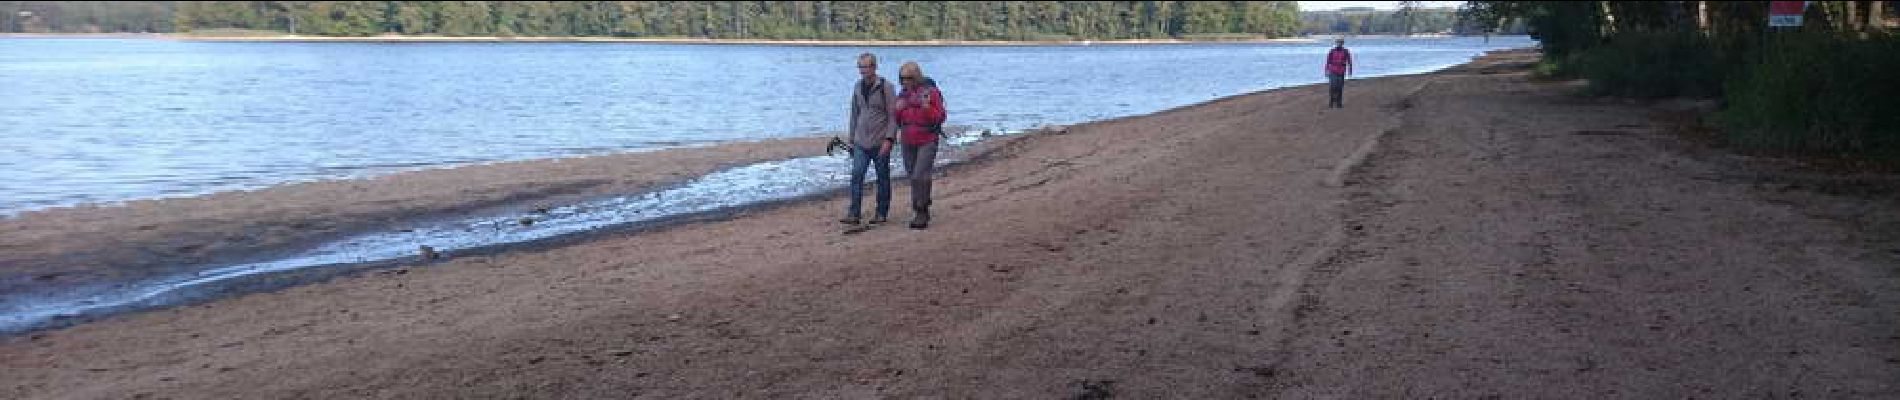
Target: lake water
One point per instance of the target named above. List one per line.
(105, 120)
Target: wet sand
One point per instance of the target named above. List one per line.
(1469, 233)
(90, 244)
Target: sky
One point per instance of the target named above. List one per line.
(1382, 5)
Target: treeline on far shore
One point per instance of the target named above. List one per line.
(857, 20)
(854, 20)
(1404, 21)
(1824, 88)
(86, 16)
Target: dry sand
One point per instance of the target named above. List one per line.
(1501, 239)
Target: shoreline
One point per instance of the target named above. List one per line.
(692, 40)
(1538, 244)
(682, 257)
(601, 212)
(689, 40)
(138, 239)
(55, 244)
(135, 238)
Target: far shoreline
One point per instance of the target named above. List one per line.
(687, 40)
(694, 40)
(145, 238)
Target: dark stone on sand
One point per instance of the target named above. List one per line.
(1264, 372)
(1095, 390)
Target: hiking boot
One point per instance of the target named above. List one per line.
(922, 220)
(848, 220)
(877, 220)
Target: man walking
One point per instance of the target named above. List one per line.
(873, 128)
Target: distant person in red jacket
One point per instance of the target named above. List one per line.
(920, 114)
(1338, 66)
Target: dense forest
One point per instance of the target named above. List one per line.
(991, 20)
(997, 20)
(1363, 21)
(86, 16)
(1407, 20)
(966, 20)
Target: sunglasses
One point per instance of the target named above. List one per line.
(866, 66)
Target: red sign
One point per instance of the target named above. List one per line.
(1786, 13)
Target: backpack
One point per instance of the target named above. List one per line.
(936, 129)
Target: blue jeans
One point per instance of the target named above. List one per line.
(860, 159)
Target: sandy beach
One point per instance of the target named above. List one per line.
(1467, 233)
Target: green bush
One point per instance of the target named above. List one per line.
(1816, 92)
(1650, 65)
(230, 32)
(1555, 68)
(1219, 37)
(1548, 69)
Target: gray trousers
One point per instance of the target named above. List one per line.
(919, 163)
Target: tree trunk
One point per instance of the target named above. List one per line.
(1852, 22)
(1701, 15)
(1877, 14)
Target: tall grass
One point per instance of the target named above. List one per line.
(1818, 92)
(1651, 65)
(1799, 92)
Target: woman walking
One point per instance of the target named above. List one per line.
(1338, 66)
(920, 114)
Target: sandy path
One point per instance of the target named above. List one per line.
(1510, 241)
(1195, 253)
